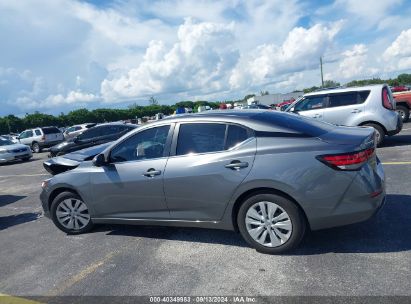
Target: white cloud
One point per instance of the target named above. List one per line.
(354, 64)
(199, 60)
(60, 54)
(72, 98)
(401, 47)
(300, 51)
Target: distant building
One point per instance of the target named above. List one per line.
(274, 98)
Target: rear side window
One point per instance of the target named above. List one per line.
(346, 99)
(37, 132)
(91, 133)
(310, 103)
(50, 130)
(363, 95)
(200, 138)
(295, 123)
(235, 135)
(110, 130)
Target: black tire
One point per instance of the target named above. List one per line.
(404, 112)
(26, 158)
(35, 147)
(380, 132)
(53, 209)
(295, 215)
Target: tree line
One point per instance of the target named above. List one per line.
(12, 123)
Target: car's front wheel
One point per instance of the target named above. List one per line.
(70, 213)
(271, 223)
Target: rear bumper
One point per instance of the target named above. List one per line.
(397, 129)
(49, 144)
(363, 198)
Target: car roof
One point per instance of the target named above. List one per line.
(256, 119)
(114, 124)
(346, 89)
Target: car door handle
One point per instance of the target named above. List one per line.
(317, 116)
(355, 111)
(236, 165)
(152, 172)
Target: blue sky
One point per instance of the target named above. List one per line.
(60, 55)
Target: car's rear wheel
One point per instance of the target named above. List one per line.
(404, 113)
(36, 147)
(26, 158)
(379, 131)
(271, 223)
(71, 214)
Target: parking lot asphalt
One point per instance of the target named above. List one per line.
(37, 259)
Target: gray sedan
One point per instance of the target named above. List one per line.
(10, 151)
(269, 175)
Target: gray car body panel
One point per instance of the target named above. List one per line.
(192, 191)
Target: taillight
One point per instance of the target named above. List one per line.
(43, 138)
(347, 161)
(386, 102)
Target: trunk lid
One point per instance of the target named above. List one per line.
(360, 137)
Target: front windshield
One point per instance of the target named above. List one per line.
(5, 142)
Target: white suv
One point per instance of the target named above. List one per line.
(40, 138)
(372, 106)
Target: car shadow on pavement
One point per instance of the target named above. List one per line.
(210, 236)
(10, 199)
(17, 219)
(388, 231)
(396, 140)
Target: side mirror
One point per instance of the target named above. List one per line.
(99, 160)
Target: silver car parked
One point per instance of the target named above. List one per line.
(10, 151)
(266, 174)
(372, 106)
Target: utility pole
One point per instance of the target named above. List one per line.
(321, 67)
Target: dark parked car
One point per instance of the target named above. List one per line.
(267, 174)
(97, 135)
(60, 164)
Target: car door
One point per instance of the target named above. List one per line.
(208, 162)
(23, 138)
(27, 137)
(131, 185)
(87, 138)
(344, 108)
(311, 106)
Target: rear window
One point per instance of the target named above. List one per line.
(50, 130)
(347, 98)
(295, 123)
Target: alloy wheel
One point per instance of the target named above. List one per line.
(401, 113)
(268, 224)
(73, 214)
